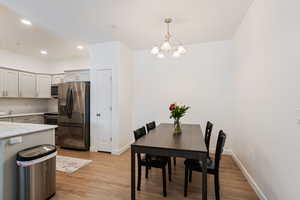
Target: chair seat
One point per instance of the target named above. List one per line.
(154, 161)
(196, 165)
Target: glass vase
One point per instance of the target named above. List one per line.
(177, 126)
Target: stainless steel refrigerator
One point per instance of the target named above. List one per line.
(74, 115)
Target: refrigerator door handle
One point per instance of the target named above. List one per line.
(71, 103)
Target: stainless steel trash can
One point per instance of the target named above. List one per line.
(36, 169)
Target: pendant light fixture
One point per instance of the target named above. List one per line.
(169, 46)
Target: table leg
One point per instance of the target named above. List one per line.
(132, 174)
(204, 178)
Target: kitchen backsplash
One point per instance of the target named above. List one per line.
(53, 105)
(23, 105)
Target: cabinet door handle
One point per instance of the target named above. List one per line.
(98, 114)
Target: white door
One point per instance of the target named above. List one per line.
(11, 83)
(102, 100)
(43, 86)
(27, 84)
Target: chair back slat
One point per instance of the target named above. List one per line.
(219, 148)
(139, 133)
(150, 126)
(208, 130)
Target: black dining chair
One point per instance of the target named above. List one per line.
(151, 161)
(212, 167)
(150, 126)
(208, 130)
(207, 136)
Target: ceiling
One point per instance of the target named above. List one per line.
(138, 23)
(30, 40)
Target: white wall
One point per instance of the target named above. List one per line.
(267, 85)
(59, 66)
(200, 79)
(126, 95)
(119, 58)
(21, 62)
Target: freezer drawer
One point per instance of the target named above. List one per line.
(73, 137)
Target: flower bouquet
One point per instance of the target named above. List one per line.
(177, 112)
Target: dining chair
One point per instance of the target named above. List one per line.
(212, 167)
(150, 126)
(152, 161)
(208, 130)
(207, 137)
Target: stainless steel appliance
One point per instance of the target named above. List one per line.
(54, 91)
(74, 115)
(51, 118)
(36, 172)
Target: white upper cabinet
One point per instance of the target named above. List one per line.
(77, 75)
(56, 79)
(27, 85)
(9, 83)
(43, 86)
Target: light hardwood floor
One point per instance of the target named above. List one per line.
(108, 178)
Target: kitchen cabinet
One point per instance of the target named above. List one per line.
(43, 86)
(58, 78)
(9, 83)
(77, 75)
(27, 85)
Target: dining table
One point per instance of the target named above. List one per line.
(162, 141)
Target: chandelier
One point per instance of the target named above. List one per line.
(169, 46)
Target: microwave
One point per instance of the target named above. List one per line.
(54, 91)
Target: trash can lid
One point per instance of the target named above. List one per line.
(35, 152)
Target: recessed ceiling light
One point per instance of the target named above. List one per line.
(80, 47)
(26, 22)
(43, 52)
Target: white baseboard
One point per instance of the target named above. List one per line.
(225, 152)
(249, 178)
(123, 149)
(93, 149)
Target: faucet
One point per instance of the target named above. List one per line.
(10, 112)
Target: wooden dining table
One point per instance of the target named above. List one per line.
(162, 141)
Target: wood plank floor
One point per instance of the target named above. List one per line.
(108, 178)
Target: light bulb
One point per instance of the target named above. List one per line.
(181, 50)
(26, 22)
(160, 55)
(166, 46)
(43, 52)
(155, 50)
(176, 54)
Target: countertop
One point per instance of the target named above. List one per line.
(11, 129)
(19, 115)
